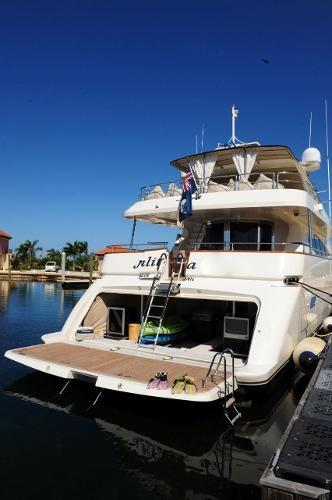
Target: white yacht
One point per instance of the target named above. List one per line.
(226, 305)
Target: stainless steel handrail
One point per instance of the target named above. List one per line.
(128, 247)
(279, 180)
(274, 245)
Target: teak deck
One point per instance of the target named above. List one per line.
(128, 366)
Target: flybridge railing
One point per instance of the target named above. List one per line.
(293, 246)
(222, 183)
(137, 247)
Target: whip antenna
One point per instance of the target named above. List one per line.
(310, 124)
(327, 157)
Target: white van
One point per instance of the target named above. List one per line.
(51, 265)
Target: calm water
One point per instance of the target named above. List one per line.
(58, 447)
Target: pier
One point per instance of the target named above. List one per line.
(75, 277)
(301, 467)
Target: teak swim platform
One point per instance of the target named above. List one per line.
(97, 362)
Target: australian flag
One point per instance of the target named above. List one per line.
(188, 188)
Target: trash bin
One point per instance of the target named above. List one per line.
(134, 331)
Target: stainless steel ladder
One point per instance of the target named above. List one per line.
(228, 399)
(159, 295)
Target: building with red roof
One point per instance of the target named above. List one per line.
(4, 249)
(109, 249)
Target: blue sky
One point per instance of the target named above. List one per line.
(97, 97)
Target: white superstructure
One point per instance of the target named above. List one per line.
(258, 231)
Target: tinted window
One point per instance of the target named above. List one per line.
(266, 237)
(214, 237)
(244, 236)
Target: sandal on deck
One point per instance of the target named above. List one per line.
(154, 382)
(163, 382)
(189, 385)
(179, 385)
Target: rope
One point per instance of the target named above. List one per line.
(317, 289)
(309, 288)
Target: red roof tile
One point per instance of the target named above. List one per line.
(5, 235)
(112, 249)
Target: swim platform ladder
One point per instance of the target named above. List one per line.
(227, 397)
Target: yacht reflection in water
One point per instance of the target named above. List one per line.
(157, 444)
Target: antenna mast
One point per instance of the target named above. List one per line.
(234, 141)
(235, 114)
(327, 158)
(310, 124)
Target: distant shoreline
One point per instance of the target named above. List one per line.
(41, 275)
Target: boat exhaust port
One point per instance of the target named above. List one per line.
(84, 377)
(292, 280)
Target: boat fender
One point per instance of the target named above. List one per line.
(327, 325)
(306, 353)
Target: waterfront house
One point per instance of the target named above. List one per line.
(4, 251)
(109, 249)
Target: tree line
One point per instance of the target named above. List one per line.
(25, 256)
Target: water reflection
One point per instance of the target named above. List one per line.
(181, 452)
(124, 446)
(4, 294)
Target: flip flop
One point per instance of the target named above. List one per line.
(154, 382)
(163, 382)
(178, 385)
(189, 385)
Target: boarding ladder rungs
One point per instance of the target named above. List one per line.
(160, 292)
(213, 375)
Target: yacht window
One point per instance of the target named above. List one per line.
(214, 237)
(265, 236)
(237, 236)
(244, 236)
(318, 246)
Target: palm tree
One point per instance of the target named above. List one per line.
(26, 252)
(52, 254)
(70, 251)
(77, 250)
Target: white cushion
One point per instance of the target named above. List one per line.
(264, 182)
(231, 185)
(173, 190)
(245, 185)
(157, 192)
(214, 187)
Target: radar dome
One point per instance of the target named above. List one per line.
(311, 159)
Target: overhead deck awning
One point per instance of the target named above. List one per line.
(266, 158)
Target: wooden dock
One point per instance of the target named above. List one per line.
(301, 467)
(71, 284)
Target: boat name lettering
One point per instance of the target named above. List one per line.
(150, 262)
(191, 265)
